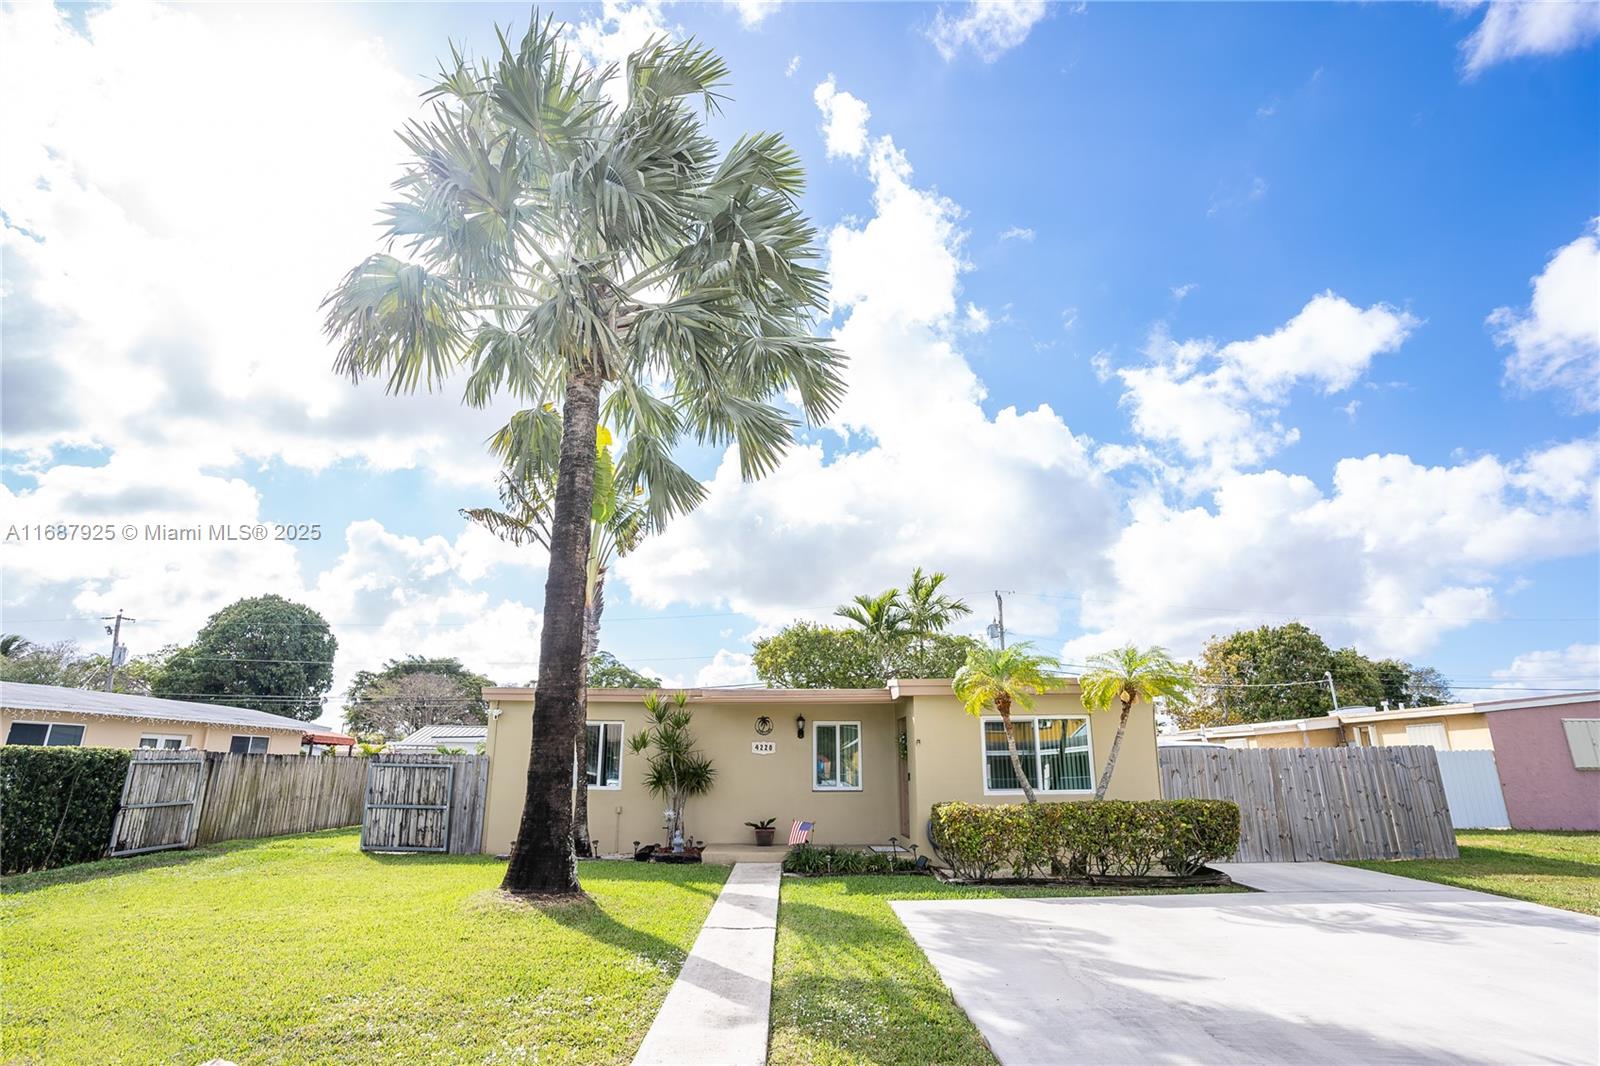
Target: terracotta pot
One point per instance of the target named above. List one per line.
(764, 837)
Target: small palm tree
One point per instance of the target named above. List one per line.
(1129, 675)
(1001, 678)
(12, 645)
(926, 610)
(883, 619)
(676, 771)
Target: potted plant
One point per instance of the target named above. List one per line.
(764, 831)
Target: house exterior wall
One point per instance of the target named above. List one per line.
(749, 787)
(944, 749)
(1542, 788)
(946, 746)
(1309, 738)
(1463, 732)
(110, 732)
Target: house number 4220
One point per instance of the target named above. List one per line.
(763, 747)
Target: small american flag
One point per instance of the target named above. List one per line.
(800, 832)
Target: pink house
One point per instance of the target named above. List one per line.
(1547, 750)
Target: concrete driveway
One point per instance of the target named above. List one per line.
(1326, 964)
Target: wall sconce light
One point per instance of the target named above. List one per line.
(800, 726)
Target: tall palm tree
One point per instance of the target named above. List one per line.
(883, 619)
(926, 610)
(1129, 675)
(588, 253)
(999, 679)
(618, 522)
(12, 645)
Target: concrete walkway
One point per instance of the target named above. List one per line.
(718, 1010)
(1328, 965)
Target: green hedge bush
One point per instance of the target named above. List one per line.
(56, 804)
(813, 860)
(1121, 838)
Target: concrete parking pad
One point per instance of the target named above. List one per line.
(1335, 969)
(718, 1010)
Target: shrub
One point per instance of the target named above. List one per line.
(819, 861)
(1122, 838)
(56, 804)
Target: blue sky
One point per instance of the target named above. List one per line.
(1166, 319)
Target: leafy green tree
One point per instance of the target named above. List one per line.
(904, 627)
(590, 254)
(607, 671)
(806, 655)
(407, 694)
(998, 679)
(1125, 677)
(1355, 678)
(12, 645)
(64, 665)
(674, 769)
(264, 652)
(1414, 686)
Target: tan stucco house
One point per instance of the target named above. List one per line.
(73, 717)
(863, 764)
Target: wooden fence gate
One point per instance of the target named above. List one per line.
(160, 802)
(1306, 804)
(424, 803)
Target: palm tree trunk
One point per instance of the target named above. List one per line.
(542, 860)
(1004, 707)
(1116, 746)
(592, 607)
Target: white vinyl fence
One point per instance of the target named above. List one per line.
(1472, 785)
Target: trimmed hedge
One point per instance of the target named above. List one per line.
(1105, 838)
(814, 861)
(57, 804)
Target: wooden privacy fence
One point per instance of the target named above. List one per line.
(177, 799)
(424, 803)
(1305, 804)
(161, 795)
(271, 795)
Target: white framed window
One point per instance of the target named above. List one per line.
(836, 754)
(1583, 737)
(163, 741)
(46, 734)
(605, 755)
(243, 744)
(1056, 755)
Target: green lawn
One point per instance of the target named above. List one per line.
(304, 949)
(1556, 869)
(851, 986)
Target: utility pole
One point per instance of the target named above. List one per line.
(997, 631)
(1328, 676)
(119, 650)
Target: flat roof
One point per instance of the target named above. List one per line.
(1351, 717)
(21, 698)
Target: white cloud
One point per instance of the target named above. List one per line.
(1393, 557)
(148, 279)
(927, 470)
(794, 65)
(1069, 317)
(753, 13)
(1555, 344)
(1577, 666)
(1180, 291)
(1512, 29)
(844, 120)
(1218, 405)
(1234, 199)
(989, 27)
(977, 319)
(621, 27)
(1016, 233)
(727, 668)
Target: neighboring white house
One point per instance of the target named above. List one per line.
(430, 738)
